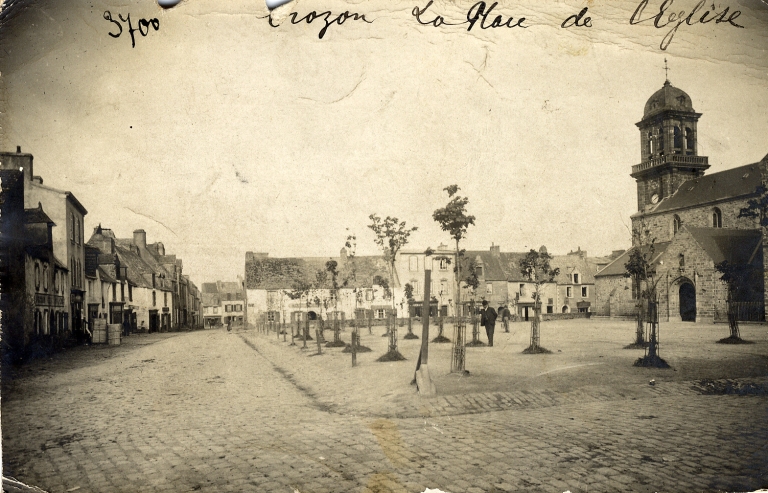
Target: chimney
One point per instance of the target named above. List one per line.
(140, 238)
(17, 161)
(495, 250)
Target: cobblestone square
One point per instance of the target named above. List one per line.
(244, 411)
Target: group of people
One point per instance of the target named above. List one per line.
(488, 318)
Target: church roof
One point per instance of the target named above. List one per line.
(724, 185)
(667, 98)
(618, 268)
(737, 246)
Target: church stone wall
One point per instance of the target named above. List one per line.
(683, 261)
(661, 228)
(613, 297)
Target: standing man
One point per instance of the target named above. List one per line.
(488, 320)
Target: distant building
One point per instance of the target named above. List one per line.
(223, 302)
(364, 289)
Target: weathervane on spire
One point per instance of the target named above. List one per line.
(666, 70)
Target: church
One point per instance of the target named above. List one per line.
(692, 220)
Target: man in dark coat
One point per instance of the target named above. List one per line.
(488, 320)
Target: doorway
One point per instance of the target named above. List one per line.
(687, 302)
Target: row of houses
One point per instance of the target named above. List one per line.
(55, 284)
(273, 285)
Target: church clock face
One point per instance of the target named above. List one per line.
(655, 198)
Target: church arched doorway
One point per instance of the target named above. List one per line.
(687, 302)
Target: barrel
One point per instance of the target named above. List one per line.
(114, 331)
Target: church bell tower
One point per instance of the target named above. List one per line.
(668, 150)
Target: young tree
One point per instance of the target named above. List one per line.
(454, 219)
(739, 279)
(641, 268)
(408, 291)
(473, 282)
(332, 271)
(301, 290)
(536, 268)
(391, 236)
(757, 207)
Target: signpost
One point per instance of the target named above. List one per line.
(423, 380)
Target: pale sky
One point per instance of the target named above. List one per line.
(218, 134)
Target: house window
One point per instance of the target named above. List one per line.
(488, 288)
(415, 285)
(413, 263)
(380, 313)
(575, 278)
(717, 218)
(77, 230)
(584, 292)
(550, 309)
(443, 286)
(368, 294)
(443, 264)
(114, 292)
(122, 292)
(239, 308)
(37, 276)
(270, 316)
(71, 227)
(479, 271)
(165, 298)
(154, 298)
(215, 309)
(130, 293)
(569, 292)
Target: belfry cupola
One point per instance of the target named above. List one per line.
(668, 149)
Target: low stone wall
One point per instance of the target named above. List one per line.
(565, 316)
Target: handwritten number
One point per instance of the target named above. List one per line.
(108, 16)
(143, 28)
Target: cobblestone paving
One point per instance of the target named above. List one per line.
(206, 411)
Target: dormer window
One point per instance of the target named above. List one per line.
(479, 271)
(676, 224)
(575, 278)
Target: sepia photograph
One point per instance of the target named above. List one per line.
(370, 246)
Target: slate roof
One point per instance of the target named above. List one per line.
(617, 268)
(211, 299)
(139, 272)
(37, 215)
(106, 276)
(283, 273)
(734, 245)
(667, 98)
(724, 185)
